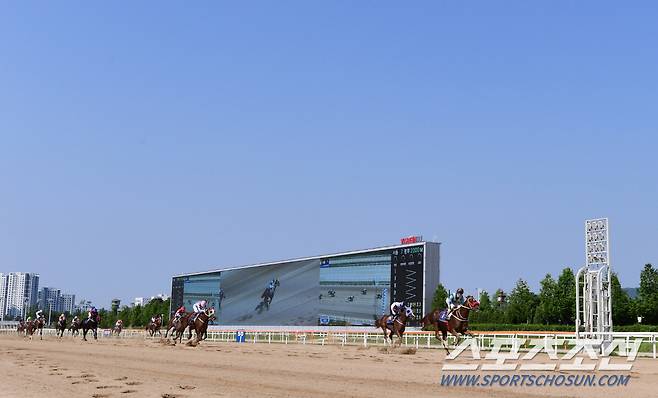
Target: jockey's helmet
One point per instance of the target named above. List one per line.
(460, 291)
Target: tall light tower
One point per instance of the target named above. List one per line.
(593, 292)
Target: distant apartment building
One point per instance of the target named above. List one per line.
(19, 291)
(3, 295)
(67, 303)
(141, 301)
(49, 299)
(83, 305)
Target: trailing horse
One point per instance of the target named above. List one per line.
(75, 325)
(90, 324)
(117, 329)
(22, 327)
(395, 327)
(200, 325)
(60, 328)
(154, 326)
(457, 325)
(178, 326)
(32, 327)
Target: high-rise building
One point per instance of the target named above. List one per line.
(84, 305)
(67, 303)
(3, 296)
(21, 293)
(49, 299)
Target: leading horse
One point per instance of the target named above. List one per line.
(396, 326)
(90, 324)
(457, 325)
(200, 325)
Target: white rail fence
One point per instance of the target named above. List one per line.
(415, 339)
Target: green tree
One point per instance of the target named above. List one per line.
(621, 303)
(566, 297)
(522, 303)
(648, 294)
(485, 302)
(440, 296)
(548, 310)
(136, 316)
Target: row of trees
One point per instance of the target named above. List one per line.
(136, 316)
(556, 301)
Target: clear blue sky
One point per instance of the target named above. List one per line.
(142, 140)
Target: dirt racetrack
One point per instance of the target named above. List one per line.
(143, 368)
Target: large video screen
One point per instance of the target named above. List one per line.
(337, 290)
(282, 294)
(355, 289)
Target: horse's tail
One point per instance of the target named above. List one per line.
(377, 321)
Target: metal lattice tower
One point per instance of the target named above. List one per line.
(593, 297)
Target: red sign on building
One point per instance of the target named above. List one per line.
(411, 239)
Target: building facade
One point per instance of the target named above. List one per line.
(20, 293)
(3, 296)
(67, 303)
(351, 288)
(49, 299)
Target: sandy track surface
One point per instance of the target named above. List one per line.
(143, 368)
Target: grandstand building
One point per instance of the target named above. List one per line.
(350, 288)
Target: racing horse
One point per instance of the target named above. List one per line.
(60, 328)
(75, 325)
(22, 327)
(457, 325)
(117, 329)
(396, 327)
(154, 326)
(90, 324)
(178, 326)
(267, 297)
(201, 325)
(32, 327)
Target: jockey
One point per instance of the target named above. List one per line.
(76, 319)
(39, 315)
(118, 323)
(93, 312)
(271, 285)
(396, 308)
(179, 312)
(62, 318)
(455, 301)
(198, 307)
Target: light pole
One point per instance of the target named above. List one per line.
(25, 308)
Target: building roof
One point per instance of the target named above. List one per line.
(228, 268)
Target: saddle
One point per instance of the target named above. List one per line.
(443, 316)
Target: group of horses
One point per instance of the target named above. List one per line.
(190, 321)
(456, 324)
(32, 326)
